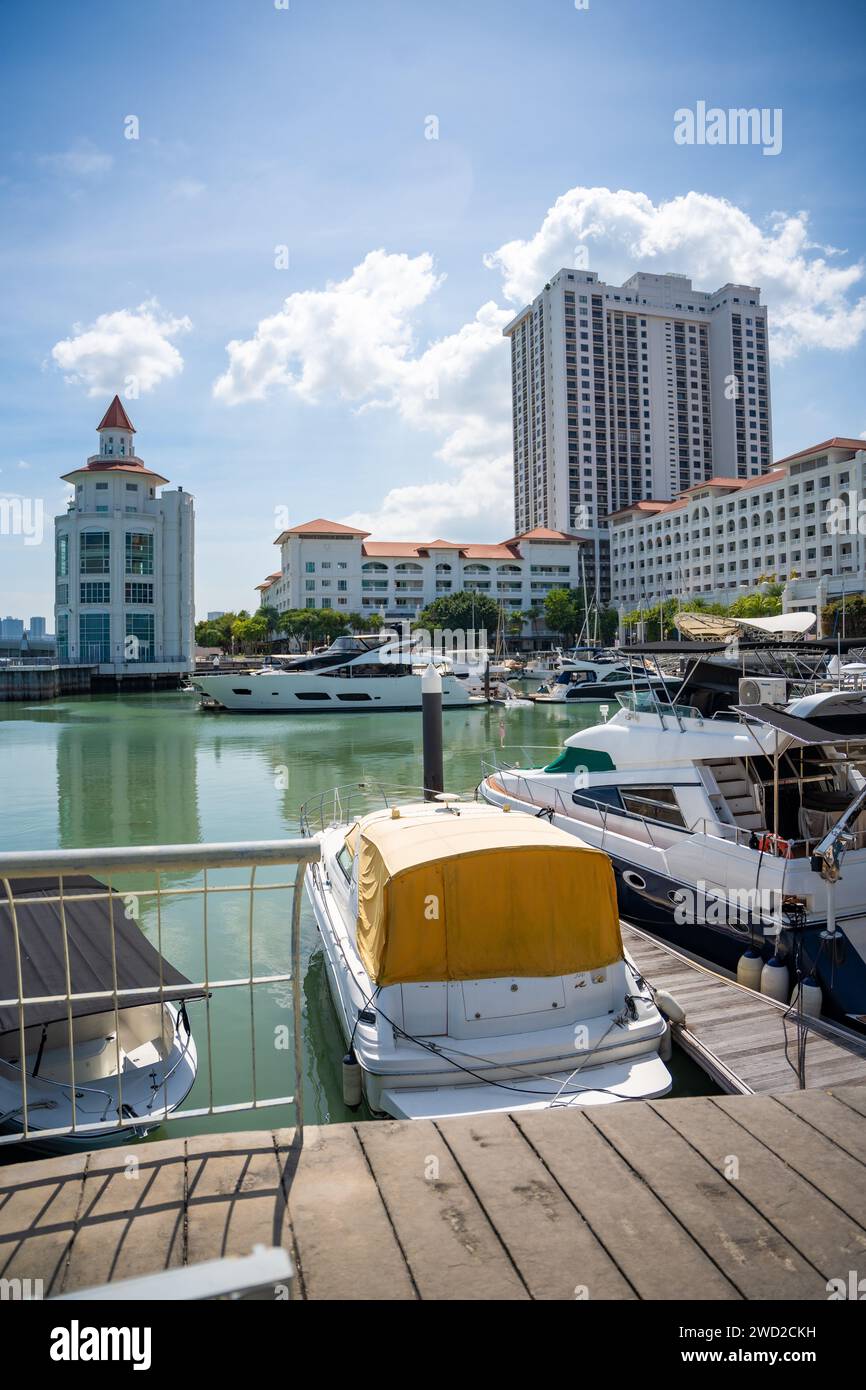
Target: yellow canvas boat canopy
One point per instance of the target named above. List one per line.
(472, 896)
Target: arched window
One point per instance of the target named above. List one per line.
(476, 569)
(374, 567)
(408, 567)
(443, 569)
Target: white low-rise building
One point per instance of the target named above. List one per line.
(800, 525)
(124, 563)
(327, 565)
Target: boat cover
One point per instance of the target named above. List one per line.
(88, 931)
(474, 897)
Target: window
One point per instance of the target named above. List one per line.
(61, 554)
(138, 642)
(95, 591)
(139, 552)
(138, 592)
(310, 567)
(94, 637)
(598, 797)
(95, 553)
(63, 636)
(655, 803)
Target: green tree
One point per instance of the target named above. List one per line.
(854, 624)
(463, 610)
(250, 634)
(208, 635)
(563, 613)
(532, 615)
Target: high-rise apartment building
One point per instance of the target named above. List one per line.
(626, 392)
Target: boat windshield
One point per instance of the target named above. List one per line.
(644, 702)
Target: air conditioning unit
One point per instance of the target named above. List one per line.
(763, 690)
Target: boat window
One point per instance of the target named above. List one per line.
(655, 803)
(360, 695)
(312, 695)
(344, 859)
(242, 691)
(598, 797)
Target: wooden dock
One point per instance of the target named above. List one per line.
(728, 1197)
(742, 1039)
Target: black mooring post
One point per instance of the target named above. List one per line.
(431, 724)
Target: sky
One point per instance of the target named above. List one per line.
(289, 233)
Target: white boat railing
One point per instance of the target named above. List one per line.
(760, 838)
(343, 804)
(174, 874)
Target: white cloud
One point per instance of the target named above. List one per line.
(356, 339)
(128, 343)
(186, 190)
(706, 238)
(83, 160)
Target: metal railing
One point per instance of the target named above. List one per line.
(179, 878)
(343, 804)
(714, 829)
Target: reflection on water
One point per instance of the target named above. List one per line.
(152, 769)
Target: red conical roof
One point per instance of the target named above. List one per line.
(116, 418)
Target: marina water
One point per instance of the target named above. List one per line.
(153, 769)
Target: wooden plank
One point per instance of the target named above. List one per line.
(623, 1212)
(823, 1235)
(749, 1251)
(812, 1155)
(854, 1096)
(131, 1216)
(830, 1117)
(346, 1244)
(449, 1243)
(234, 1197)
(550, 1243)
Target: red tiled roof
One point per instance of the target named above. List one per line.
(839, 442)
(101, 465)
(374, 549)
(544, 533)
(321, 527)
(503, 551)
(116, 418)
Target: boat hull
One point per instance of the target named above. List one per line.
(314, 694)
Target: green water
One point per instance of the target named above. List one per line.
(154, 769)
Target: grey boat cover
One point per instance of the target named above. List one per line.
(88, 932)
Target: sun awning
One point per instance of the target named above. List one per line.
(452, 897)
(839, 728)
(88, 932)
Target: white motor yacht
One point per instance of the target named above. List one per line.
(475, 961)
(355, 674)
(727, 835)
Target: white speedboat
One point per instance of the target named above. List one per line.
(82, 1065)
(365, 673)
(476, 964)
(595, 681)
(726, 834)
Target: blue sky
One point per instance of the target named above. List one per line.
(386, 396)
